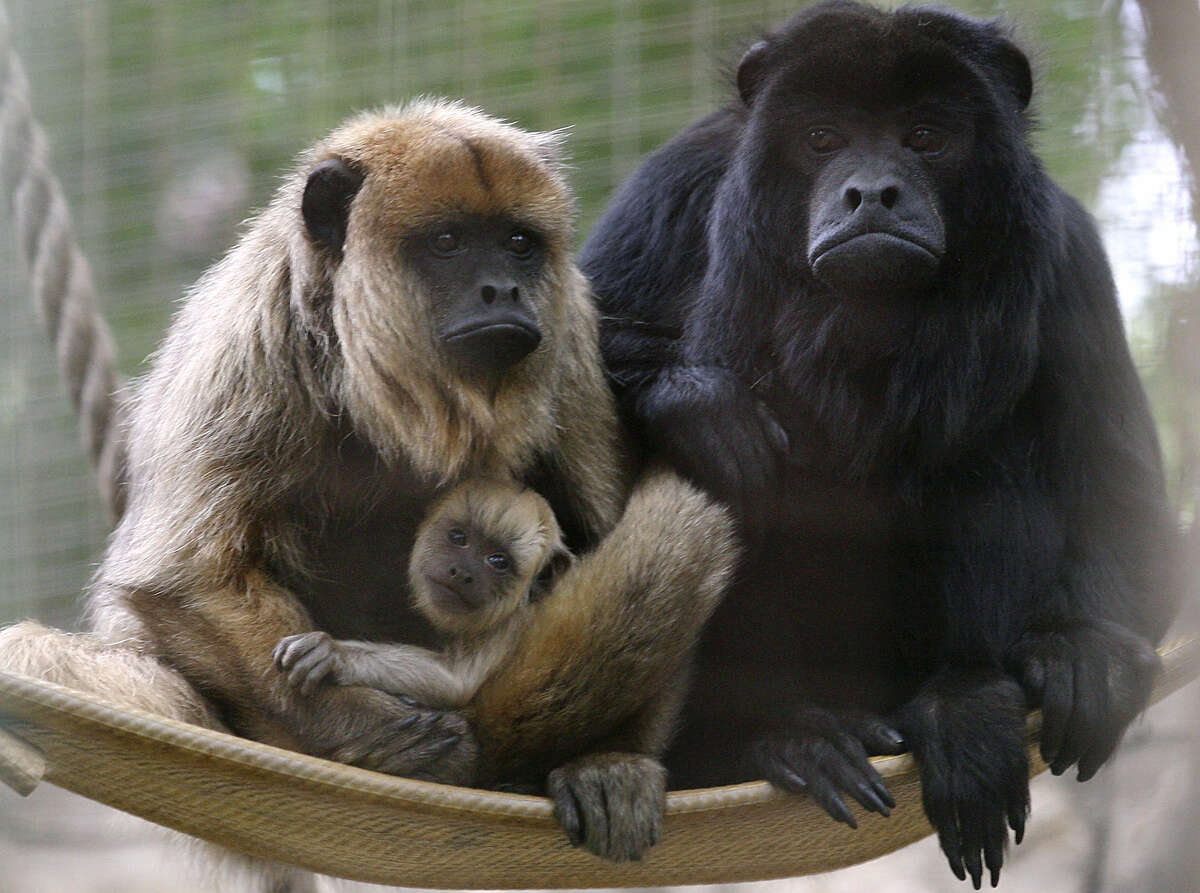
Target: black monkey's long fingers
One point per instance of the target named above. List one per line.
(1058, 695)
(971, 836)
(946, 822)
(877, 736)
(1098, 752)
(824, 794)
(777, 438)
(860, 779)
(1018, 813)
(1088, 709)
(993, 847)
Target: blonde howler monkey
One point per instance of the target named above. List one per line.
(405, 314)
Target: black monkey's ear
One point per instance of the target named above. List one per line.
(331, 187)
(1014, 66)
(752, 69)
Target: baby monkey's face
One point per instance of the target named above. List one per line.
(466, 570)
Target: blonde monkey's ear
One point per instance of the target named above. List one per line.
(330, 189)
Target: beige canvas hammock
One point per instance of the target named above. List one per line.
(361, 825)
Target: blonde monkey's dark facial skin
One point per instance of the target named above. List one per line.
(481, 272)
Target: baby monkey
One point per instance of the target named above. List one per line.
(484, 553)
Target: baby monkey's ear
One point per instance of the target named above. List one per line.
(559, 562)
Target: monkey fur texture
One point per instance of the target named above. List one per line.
(484, 553)
(403, 315)
(852, 305)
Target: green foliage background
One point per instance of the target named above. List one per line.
(140, 97)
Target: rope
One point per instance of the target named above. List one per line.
(59, 276)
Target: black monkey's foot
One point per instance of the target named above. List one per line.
(611, 804)
(1091, 680)
(967, 733)
(824, 754)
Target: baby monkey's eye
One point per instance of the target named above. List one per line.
(498, 561)
(457, 536)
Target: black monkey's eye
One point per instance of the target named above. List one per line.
(457, 536)
(521, 243)
(499, 562)
(926, 140)
(824, 140)
(446, 243)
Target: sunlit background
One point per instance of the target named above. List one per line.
(170, 122)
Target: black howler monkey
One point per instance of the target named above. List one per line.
(852, 304)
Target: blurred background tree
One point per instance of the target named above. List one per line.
(169, 123)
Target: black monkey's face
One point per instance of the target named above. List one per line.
(875, 214)
(872, 132)
(481, 274)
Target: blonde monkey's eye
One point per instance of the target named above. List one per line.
(499, 562)
(457, 536)
(520, 243)
(445, 243)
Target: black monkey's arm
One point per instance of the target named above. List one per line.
(993, 541)
(1087, 655)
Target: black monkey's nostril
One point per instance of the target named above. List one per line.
(515, 294)
(853, 198)
(489, 294)
(889, 197)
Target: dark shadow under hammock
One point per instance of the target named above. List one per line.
(361, 825)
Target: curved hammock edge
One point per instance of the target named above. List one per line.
(348, 822)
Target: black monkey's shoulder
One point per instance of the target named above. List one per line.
(665, 203)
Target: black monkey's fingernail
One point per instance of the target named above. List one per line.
(795, 782)
(957, 868)
(870, 799)
(1017, 823)
(885, 795)
(407, 722)
(894, 738)
(995, 877)
(841, 812)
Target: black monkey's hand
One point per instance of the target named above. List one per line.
(967, 733)
(716, 432)
(1091, 679)
(308, 659)
(824, 754)
(611, 804)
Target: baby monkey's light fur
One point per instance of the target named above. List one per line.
(514, 519)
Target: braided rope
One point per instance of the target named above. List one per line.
(59, 277)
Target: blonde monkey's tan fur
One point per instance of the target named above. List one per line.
(298, 420)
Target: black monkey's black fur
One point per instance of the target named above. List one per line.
(853, 305)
